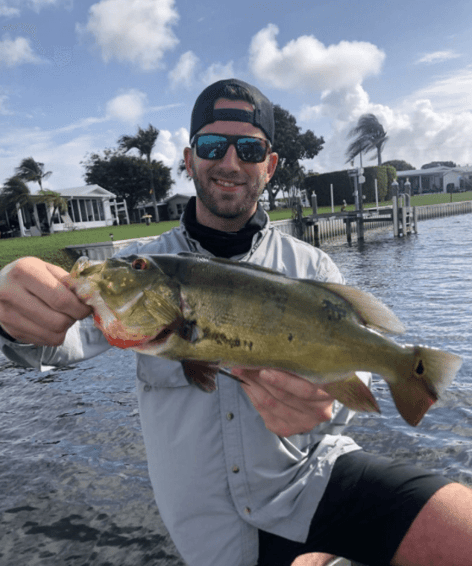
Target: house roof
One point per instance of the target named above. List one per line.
(441, 170)
(424, 172)
(86, 191)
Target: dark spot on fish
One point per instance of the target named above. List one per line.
(420, 368)
(188, 330)
(276, 298)
(222, 340)
(334, 312)
(290, 337)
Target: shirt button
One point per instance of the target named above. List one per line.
(147, 388)
(247, 510)
(235, 469)
(229, 416)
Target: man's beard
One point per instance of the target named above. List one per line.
(211, 203)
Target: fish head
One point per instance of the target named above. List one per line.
(133, 300)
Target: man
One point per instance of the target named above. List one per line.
(255, 473)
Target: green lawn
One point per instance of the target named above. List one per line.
(51, 248)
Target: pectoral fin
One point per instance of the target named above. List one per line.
(201, 374)
(353, 393)
(161, 308)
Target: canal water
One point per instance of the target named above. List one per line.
(73, 475)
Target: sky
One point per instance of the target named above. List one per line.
(75, 75)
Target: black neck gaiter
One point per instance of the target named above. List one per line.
(223, 244)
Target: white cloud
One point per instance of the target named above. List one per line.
(438, 56)
(343, 104)
(169, 149)
(8, 11)
(305, 63)
(14, 52)
(217, 72)
(61, 156)
(449, 92)
(183, 74)
(12, 8)
(128, 106)
(430, 135)
(165, 149)
(418, 130)
(133, 31)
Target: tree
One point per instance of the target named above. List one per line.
(439, 164)
(14, 196)
(371, 136)
(127, 176)
(181, 169)
(144, 142)
(399, 165)
(31, 170)
(51, 198)
(292, 146)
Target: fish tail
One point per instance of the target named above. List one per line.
(419, 386)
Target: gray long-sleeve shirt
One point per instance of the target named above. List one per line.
(218, 474)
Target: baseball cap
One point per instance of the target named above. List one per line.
(204, 112)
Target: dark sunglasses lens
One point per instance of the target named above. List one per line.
(251, 150)
(212, 146)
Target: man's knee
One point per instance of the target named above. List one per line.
(441, 534)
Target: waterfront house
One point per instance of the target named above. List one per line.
(89, 206)
(437, 179)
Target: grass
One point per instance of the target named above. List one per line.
(52, 248)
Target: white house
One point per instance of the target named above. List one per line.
(437, 179)
(90, 206)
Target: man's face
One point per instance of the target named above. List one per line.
(228, 188)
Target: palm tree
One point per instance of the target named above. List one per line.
(31, 170)
(16, 195)
(56, 200)
(144, 142)
(371, 136)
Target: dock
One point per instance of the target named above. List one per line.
(400, 218)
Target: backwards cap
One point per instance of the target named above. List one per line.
(204, 112)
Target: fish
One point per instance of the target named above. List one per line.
(215, 314)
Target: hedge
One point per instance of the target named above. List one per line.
(343, 185)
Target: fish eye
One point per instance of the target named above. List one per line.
(140, 263)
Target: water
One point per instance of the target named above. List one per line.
(426, 279)
(73, 473)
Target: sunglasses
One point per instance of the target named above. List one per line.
(215, 146)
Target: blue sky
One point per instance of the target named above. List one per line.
(76, 75)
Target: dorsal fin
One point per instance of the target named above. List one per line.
(371, 310)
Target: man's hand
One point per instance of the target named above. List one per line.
(35, 305)
(287, 403)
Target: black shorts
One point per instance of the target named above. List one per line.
(367, 508)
